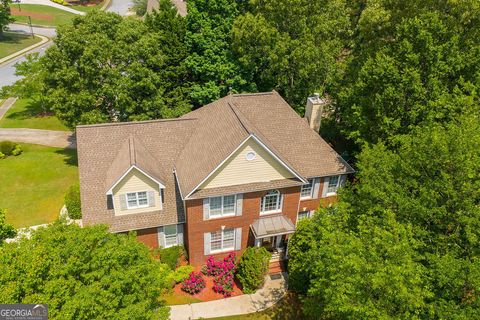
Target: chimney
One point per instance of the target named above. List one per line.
(314, 111)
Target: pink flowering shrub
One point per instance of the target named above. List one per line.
(223, 271)
(194, 283)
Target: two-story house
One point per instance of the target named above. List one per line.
(238, 172)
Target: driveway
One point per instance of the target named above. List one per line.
(120, 6)
(51, 138)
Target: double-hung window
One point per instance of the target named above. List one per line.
(222, 206)
(333, 184)
(307, 190)
(223, 240)
(271, 202)
(171, 234)
(137, 200)
(303, 215)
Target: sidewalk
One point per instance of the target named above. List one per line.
(53, 4)
(6, 105)
(271, 293)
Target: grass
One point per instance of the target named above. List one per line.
(174, 299)
(33, 184)
(13, 42)
(41, 15)
(288, 308)
(26, 114)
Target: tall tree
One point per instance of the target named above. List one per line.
(5, 16)
(104, 68)
(292, 46)
(410, 62)
(213, 68)
(406, 233)
(84, 273)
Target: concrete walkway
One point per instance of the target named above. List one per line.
(271, 293)
(51, 138)
(52, 4)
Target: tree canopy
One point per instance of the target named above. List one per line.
(83, 273)
(403, 242)
(5, 16)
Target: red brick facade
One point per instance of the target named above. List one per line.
(196, 227)
(148, 236)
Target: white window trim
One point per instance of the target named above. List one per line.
(137, 206)
(280, 204)
(309, 215)
(221, 241)
(222, 215)
(310, 196)
(165, 237)
(329, 194)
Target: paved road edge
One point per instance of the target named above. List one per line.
(25, 50)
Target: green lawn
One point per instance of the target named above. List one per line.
(288, 308)
(174, 299)
(13, 42)
(33, 184)
(25, 114)
(40, 14)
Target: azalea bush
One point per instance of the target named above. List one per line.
(194, 283)
(223, 271)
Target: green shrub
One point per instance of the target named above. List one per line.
(17, 151)
(252, 268)
(182, 273)
(171, 256)
(6, 147)
(72, 202)
(2, 155)
(140, 7)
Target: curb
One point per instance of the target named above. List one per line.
(106, 4)
(24, 50)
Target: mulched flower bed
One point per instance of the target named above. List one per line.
(207, 294)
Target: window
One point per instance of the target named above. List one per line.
(223, 240)
(271, 202)
(171, 233)
(333, 184)
(307, 190)
(137, 200)
(302, 215)
(222, 206)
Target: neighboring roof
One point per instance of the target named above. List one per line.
(248, 187)
(269, 226)
(98, 157)
(224, 124)
(133, 154)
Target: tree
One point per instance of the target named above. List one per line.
(104, 68)
(83, 273)
(213, 69)
(411, 61)
(292, 46)
(140, 7)
(403, 241)
(5, 16)
(6, 230)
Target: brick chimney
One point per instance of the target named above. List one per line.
(314, 111)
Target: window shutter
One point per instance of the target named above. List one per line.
(239, 204)
(151, 198)
(316, 187)
(281, 201)
(161, 237)
(206, 243)
(180, 234)
(109, 202)
(123, 201)
(325, 187)
(343, 178)
(206, 208)
(238, 238)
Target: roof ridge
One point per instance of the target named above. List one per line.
(254, 93)
(111, 124)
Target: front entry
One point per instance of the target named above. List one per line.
(275, 243)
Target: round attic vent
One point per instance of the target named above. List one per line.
(250, 155)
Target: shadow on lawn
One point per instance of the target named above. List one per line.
(34, 109)
(69, 156)
(14, 38)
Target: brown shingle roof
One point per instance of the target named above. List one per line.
(193, 146)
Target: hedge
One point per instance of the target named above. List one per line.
(252, 268)
(72, 202)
